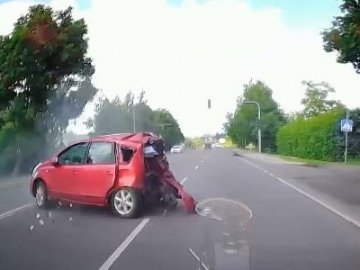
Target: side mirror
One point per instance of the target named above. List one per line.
(55, 161)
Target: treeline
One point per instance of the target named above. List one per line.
(313, 133)
(242, 126)
(45, 82)
(134, 114)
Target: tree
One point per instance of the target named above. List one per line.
(117, 116)
(242, 126)
(316, 99)
(344, 35)
(194, 142)
(168, 128)
(45, 81)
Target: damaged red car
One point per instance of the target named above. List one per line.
(123, 171)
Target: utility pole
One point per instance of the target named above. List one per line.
(346, 138)
(259, 118)
(346, 125)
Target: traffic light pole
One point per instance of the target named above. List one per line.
(259, 118)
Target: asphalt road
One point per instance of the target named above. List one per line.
(288, 229)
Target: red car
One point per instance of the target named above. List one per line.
(123, 171)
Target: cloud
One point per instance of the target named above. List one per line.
(10, 12)
(183, 55)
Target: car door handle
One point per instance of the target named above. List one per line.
(74, 172)
(108, 173)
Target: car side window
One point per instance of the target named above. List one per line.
(74, 155)
(101, 153)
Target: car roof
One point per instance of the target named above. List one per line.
(140, 137)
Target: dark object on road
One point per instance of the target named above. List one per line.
(310, 165)
(123, 171)
(207, 145)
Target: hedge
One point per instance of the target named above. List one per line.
(311, 138)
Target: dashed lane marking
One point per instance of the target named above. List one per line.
(311, 197)
(183, 180)
(13, 211)
(116, 254)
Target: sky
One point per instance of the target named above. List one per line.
(184, 52)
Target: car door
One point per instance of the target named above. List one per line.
(63, 174)
(97, 177)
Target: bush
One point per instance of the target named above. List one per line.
(311, 138)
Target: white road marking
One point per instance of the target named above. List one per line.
(13, 211)
(116, 254)
(198, 259)
(252, 164)
(196, 167)
(311, 197)
(183, 180)
(332, 209)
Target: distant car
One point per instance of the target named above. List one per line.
(177, 149)
(123, 171)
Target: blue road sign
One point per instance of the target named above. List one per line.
(346, 125)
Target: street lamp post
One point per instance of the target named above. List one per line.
(259, 118)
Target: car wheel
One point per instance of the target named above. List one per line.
(126, 203)
(41, 196)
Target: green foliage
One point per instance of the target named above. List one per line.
(316, 99)
(195, 142)
(44, 83)
(229, 143)
(311, 138)
(117, 116)
(242, 126)
(169, 128)
(344, 35)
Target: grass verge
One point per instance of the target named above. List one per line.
(355, 162)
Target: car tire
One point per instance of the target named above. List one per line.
(41, 195)
(126, 203)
